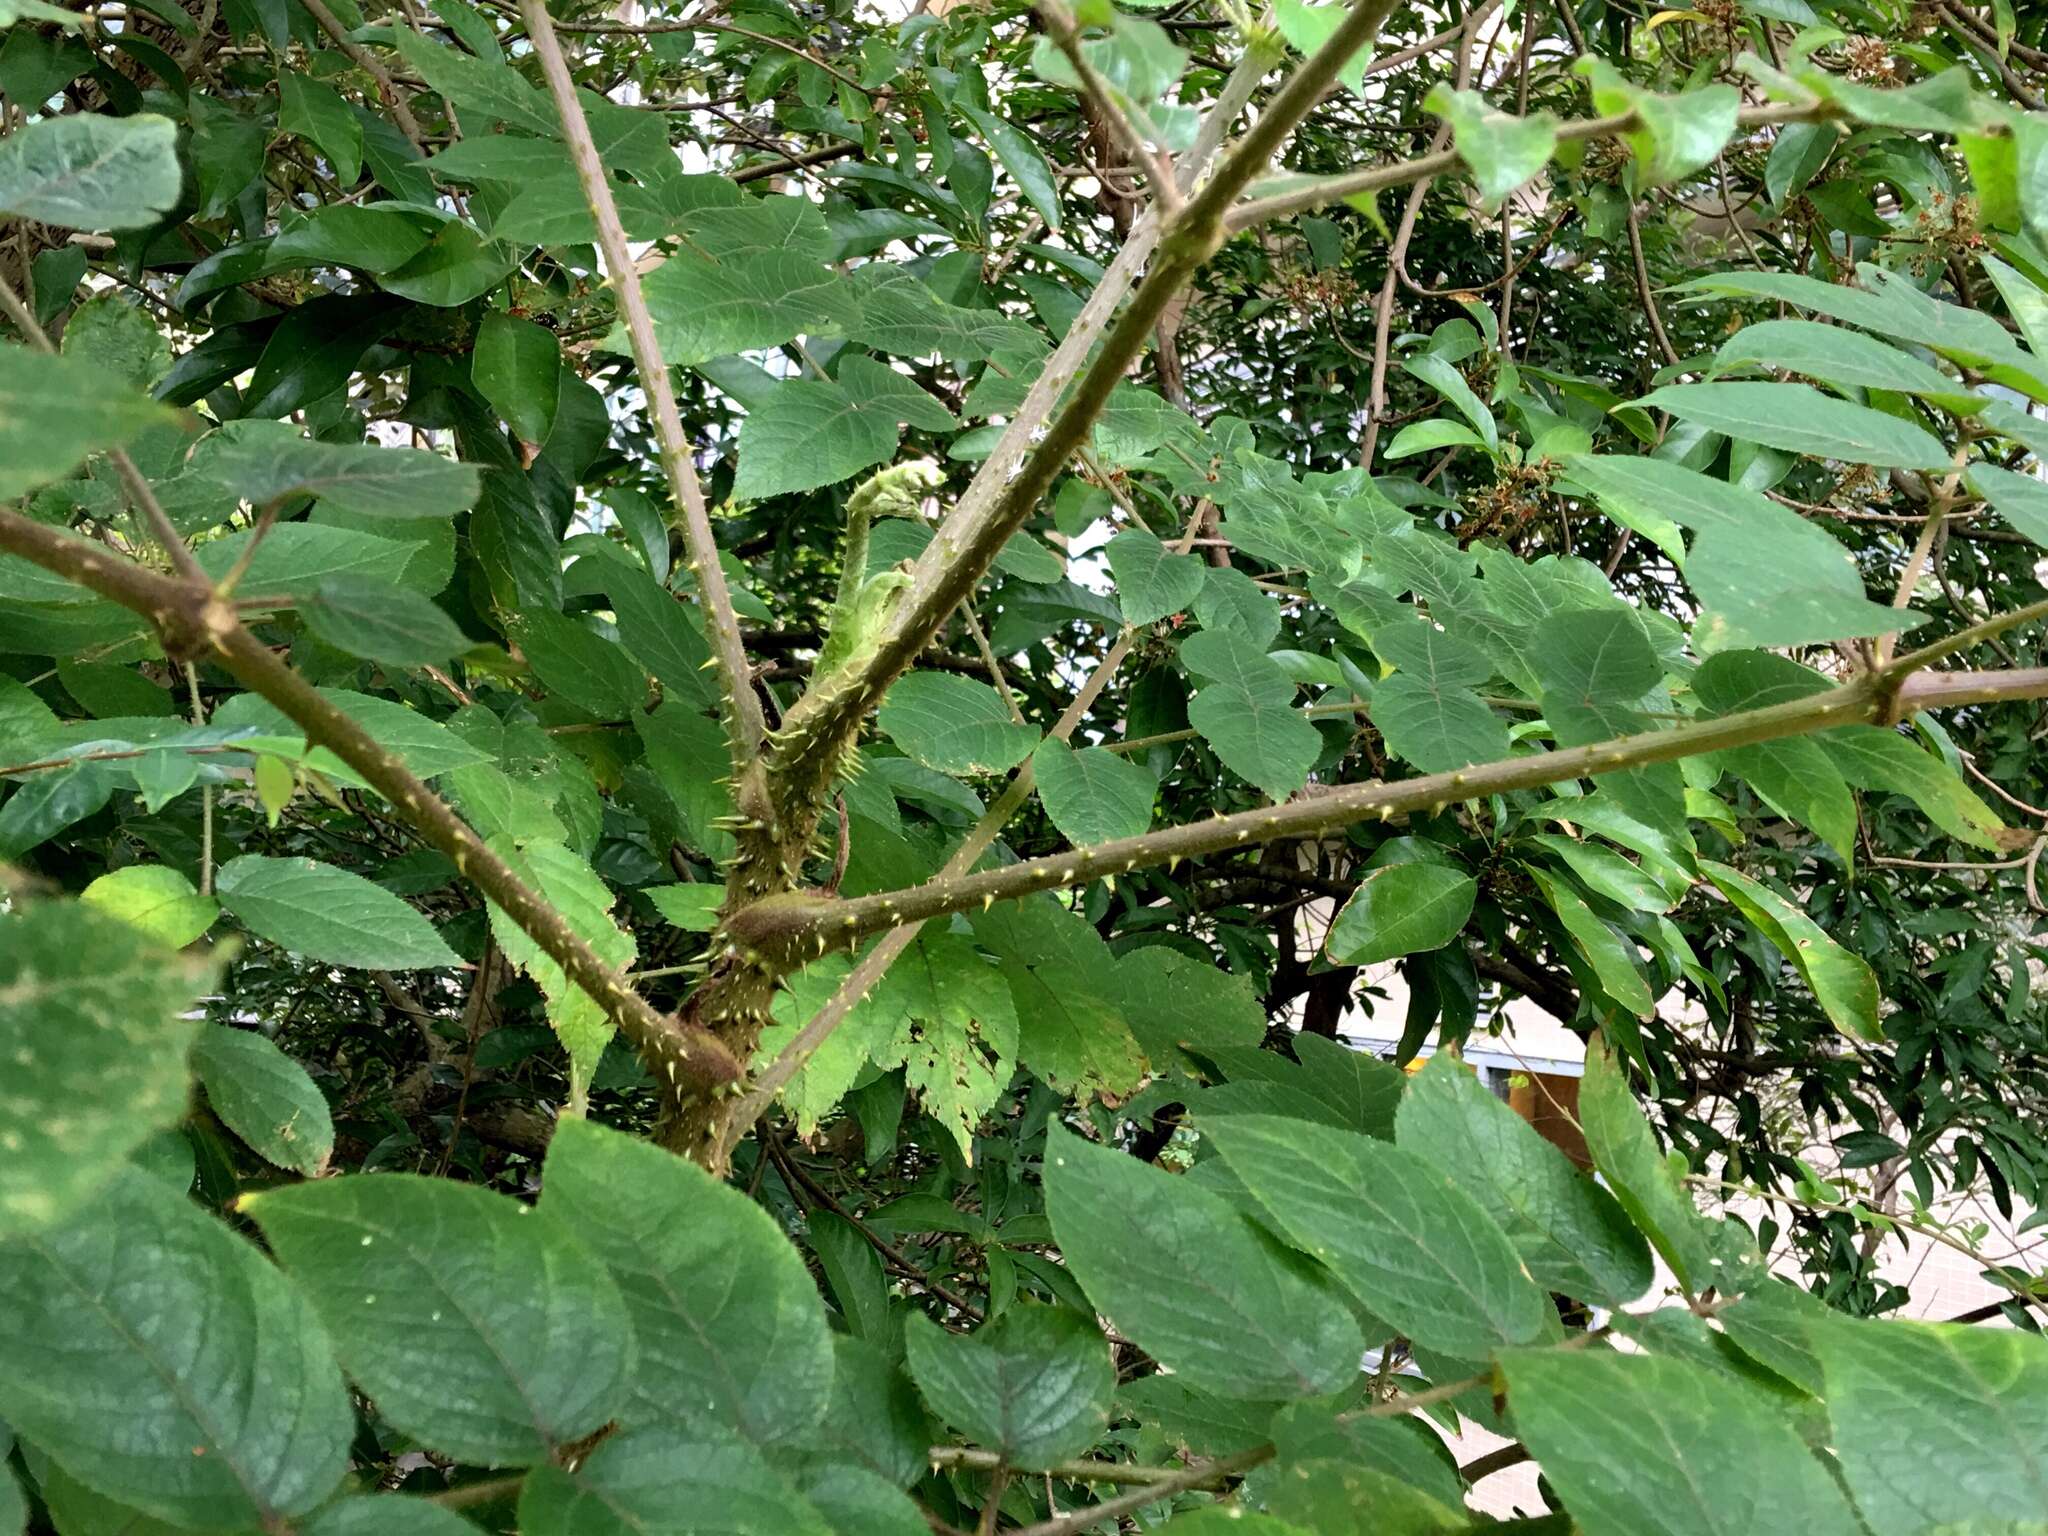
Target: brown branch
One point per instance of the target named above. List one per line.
(1211, 1473)
(1157, 163)
(793, 928)
(965, 545)
(1323, 191)
(745, 726)
(193, 622)
(1644, 293)
(368, 62)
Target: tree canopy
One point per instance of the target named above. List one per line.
(712, 713)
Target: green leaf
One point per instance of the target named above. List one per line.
(328, 914)
(954, 724)
(1502, 151)
(1647, 1445)
(584, 901)
(1067, 996)
(95, 1040)
(1677, 135)
(1252, 1321)
(458, 264)
(265, 1098)
(386, 1515)
(746, 277)
(1427, 436)
(1871, 757)
(1171, 999)
(1400, 910)
(163, 1362)
(1894, 309)
(1427, 711)
(2018, 498)
(517, 367)
(56, 410)
(1571, 1234)
(1967, 1400)
(955, 1032)
(1841, 357)
(2030, 143)
(1339, 1496)
(1843, 982)
(726, 1317)
(1308, 26)
(1401, 1448)
(581, 666)
(425, 746)
(1797, 156)
(85, 170)
(118, 340)
(1624, 1150)
(813, 432)
(700, 1482)
(1764, 575)
(1245, 710)
(1606, 873)
(1229, 1520)
(1034, 1386)
(1611, 956)
(1092, 795)
(318, 114)
(480, 1326)
(379, 238)
(297, 556)
(381, 623)
(262, 462)
(1800, 419)
(1594, 667)
(1330, 1083)
(312, 353)
(1439, 374)
(875, 1420)
(662, 633)
(1020, 157)
(857, 1502)
(1793, 776)
(1417, 1250)
(1151, 580)
(693, 907)
(156, 899)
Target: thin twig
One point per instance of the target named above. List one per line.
(368, 62)
(744, 723)
(1155, 161)
(205, 790)
(1204, 1473)
(192, 621)
(1644, 293)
